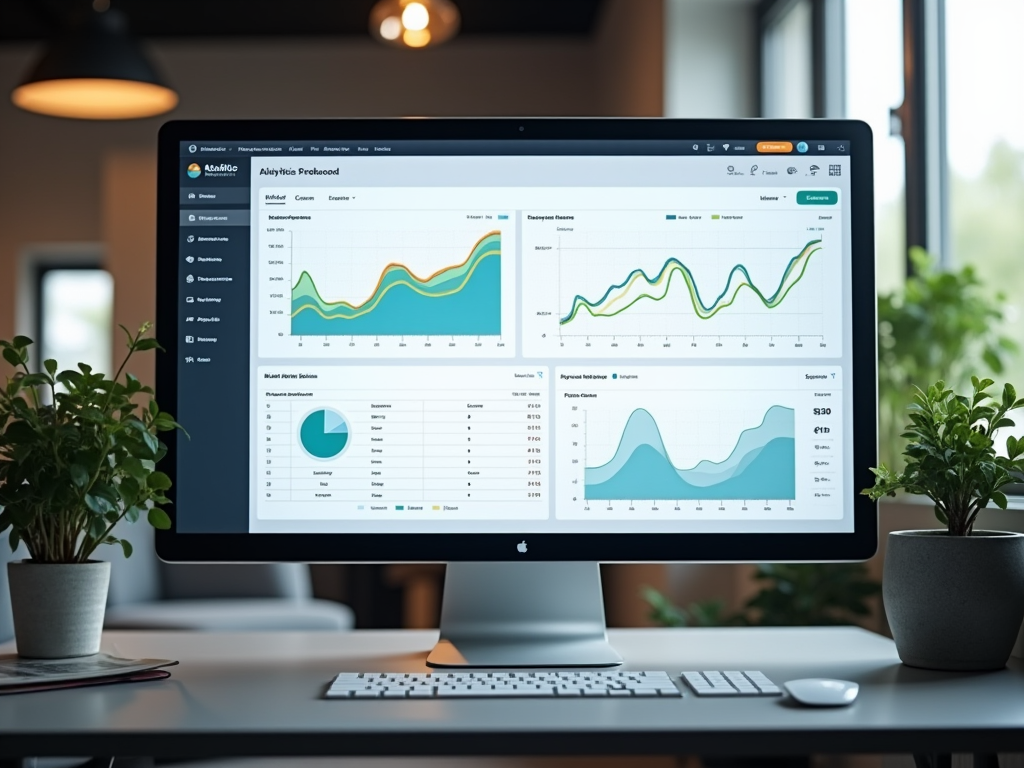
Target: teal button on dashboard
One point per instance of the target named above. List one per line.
(817, 198)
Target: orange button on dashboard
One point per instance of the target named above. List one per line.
(774, 146)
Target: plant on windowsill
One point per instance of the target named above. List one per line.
(78, 454)
(955, 597)
(942, 324)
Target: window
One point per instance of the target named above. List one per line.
(985, 152)
(75, 307)
(874, 84)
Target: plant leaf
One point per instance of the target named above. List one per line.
(78, 475)
(97, 504)
(159, 519)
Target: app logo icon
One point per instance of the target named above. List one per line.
(194, 171)
(521, 546)
(192, 148)
(801, 146)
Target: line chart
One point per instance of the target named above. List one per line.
(461, 299)
(638, 283)
(621, 297)
(341, 282)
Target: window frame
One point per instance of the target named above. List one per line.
(36, 260)
(828, 53)
(921, 121)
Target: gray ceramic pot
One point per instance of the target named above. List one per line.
(58, 609)
(954, 602)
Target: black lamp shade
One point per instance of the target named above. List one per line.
(95, 70)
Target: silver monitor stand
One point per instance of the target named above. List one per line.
(523, 615)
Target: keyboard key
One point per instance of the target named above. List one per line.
(729, 683)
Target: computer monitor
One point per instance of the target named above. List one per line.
(520, 347)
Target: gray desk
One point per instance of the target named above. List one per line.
(260, 694)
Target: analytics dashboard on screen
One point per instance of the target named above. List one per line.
(465, 337)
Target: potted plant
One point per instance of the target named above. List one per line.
(77, 456)
(955, 597)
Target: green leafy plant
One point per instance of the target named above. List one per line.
(810, 594)
(704, 613)
(943, 324)
(77, 455)
(791, 595)
(951, 455)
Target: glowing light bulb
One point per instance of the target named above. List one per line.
(413, 23)
(416, 38)
(416, 18)
(391, 28)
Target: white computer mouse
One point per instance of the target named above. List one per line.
(822, 692)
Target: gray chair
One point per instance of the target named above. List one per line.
(148, 594)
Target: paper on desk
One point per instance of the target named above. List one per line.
(15, 670)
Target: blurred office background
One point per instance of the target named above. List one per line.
(77, 197)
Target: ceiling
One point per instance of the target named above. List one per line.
(27, 20)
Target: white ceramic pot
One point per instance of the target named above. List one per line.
(58, 608)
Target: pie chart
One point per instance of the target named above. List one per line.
(324, 433)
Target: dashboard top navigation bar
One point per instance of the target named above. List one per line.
(696, 146)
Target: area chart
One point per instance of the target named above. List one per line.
(762, 465)
(463, 299)
(638, 287)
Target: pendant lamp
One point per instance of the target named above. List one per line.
(95, 70)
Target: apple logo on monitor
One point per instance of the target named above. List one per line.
(521, 546)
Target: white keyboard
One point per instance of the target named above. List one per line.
(711, 683)
(439, 685)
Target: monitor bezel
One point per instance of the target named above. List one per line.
(860, 544)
